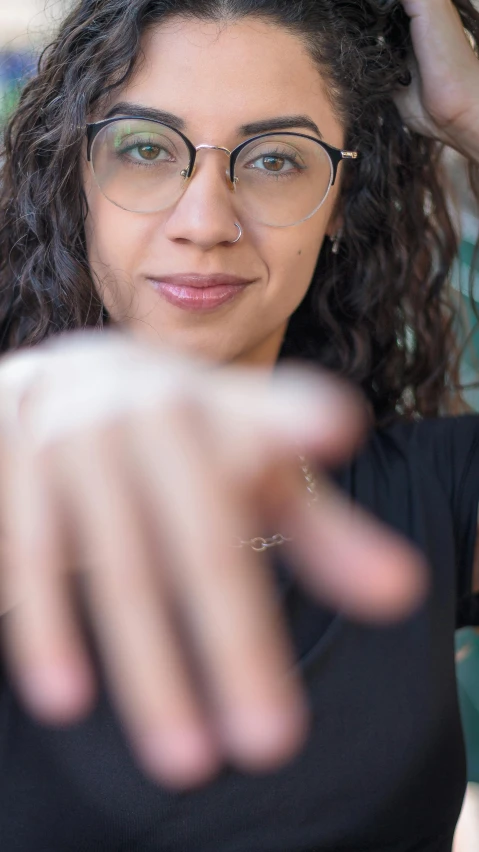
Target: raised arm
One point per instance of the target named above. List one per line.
(442, 101)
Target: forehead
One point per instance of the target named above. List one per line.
(219, 76)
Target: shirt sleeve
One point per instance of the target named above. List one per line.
(450, 445)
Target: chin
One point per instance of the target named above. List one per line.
(202, 346)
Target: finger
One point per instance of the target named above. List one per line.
(42, 642)
(352, 562)
(256, 421)
(226, 598)
(129, 608)
(438, 34)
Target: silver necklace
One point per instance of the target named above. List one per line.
(260, 544)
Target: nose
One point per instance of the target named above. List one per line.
(206, 212)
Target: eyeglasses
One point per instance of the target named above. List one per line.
(144, 166)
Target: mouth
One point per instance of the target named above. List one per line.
(199, 292)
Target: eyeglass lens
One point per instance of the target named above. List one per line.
(138, 166)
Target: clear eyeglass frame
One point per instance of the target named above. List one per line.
(336, 155)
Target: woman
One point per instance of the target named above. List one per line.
(136, 461)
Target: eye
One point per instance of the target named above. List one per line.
(148, 152)
(276, 163)
(144, 151)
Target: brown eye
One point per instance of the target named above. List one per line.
(149, 152)
(273, 164)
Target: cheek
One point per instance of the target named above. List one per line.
(295, 258)
(112, 235)
(115, 238)
(113, 248)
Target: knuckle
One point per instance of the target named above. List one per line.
(181, 409)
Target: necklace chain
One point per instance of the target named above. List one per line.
(260, 544)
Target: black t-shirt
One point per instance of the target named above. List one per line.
(384, 766)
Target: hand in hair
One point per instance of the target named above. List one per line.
(442, 101)
(125, 477)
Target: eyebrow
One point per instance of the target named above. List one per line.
(266, 125)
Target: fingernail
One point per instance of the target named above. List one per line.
(264, 736)
(56, 691)
(180, 758)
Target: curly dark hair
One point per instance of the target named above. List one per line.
(379, 312)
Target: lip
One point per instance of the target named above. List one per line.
(192, 279)
(194, 292)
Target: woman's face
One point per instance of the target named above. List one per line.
(215, 79)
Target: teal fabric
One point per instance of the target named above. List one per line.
(469, 312)
(467, 640)
(467, 668)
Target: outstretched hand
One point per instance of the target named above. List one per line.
(132, 472)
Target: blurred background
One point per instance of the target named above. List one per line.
(25, 27)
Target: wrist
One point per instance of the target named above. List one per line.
(465, 139)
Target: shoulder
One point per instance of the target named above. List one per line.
(445, 444)
(432, 464)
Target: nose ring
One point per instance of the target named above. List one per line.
(239, 235)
